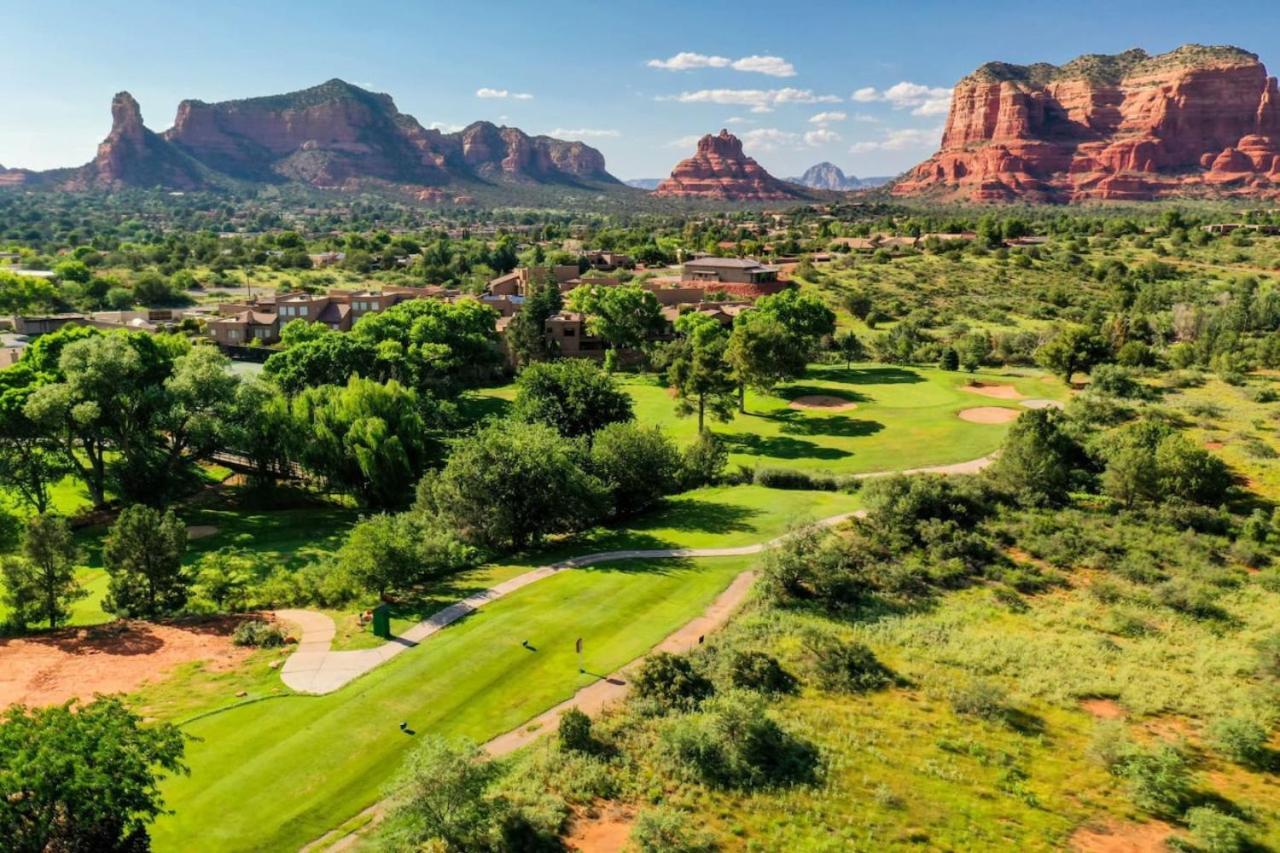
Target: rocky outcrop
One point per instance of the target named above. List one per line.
(133, 156)
(719, 170)
(331, 136)
(829, 176)
(1195, 121)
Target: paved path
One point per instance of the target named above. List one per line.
(315, 668)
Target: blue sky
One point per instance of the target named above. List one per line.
(863, 85)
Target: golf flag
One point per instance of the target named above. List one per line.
(578, 645)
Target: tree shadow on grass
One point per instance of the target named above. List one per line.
(843, 426)
(791, 392)
(886, 375)
(779, 447)
(474, 408)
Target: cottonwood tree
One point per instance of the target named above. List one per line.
(625, 316)
(41, 583)
(397, 552)
(82, 777)
(639, 465)
(762, 351)
(698, 371)
(1072, 350)
(30, 461)
(573, 395)
(511, 484)
(143, 557)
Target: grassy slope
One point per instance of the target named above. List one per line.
(333, 754)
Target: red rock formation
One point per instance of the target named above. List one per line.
(132, 155)
(1196, 121)
(720, 170)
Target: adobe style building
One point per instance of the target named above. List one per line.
(740, 277)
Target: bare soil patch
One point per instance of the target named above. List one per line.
(1213, 445)
(989, 415)
(1000, 392)
(114, 658)
(603, 830)
(1119, 837)
(1103, 709)
(201, 531)
(823, 403)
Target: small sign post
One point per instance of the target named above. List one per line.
(581, 668)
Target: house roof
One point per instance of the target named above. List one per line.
(334, 312)
(724, 263)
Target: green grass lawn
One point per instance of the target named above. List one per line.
(275, 774)
(906, 417)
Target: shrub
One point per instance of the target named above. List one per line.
(847, 667)
(259, 634)
(1216, 832)
(1159, 779)
(639, 465)
(665, 830)
(703, 461)
(575, 731)
(979, 699)
(788, 478)
(732, 743)
(670, 681)
(1242, 740)
(760, 672)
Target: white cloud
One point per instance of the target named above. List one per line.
(822, 136)
(920, 99)
(759, 100)
(902, 139)
(445, 127)
(737, 120)
(769, 139)
(584, 133)
(773, 66)
(486, 92)
(865, 119)
(825, 118)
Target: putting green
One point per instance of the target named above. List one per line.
(905, 417)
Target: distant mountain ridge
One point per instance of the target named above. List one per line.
(643, 183)
(331, 136)
(829, 176)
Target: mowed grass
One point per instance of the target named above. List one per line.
(276, 774)
(906, 417)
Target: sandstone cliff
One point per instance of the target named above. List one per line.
(719, 170)
(1195, 121)
(331, 136)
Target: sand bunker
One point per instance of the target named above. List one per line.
(1000, 392)
(113, 658)
(201, 531)
(822, 402)
(989, 415)
(1042, 404)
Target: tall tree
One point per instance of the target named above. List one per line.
(82, 777)
(526, 335)
(698, 371)
(762, 351)
(45, 576)
(574, 396)
(143, 557)
(1075, 348)
(625, 316)
(30, 461)
(850, 347)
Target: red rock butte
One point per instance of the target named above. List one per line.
(719, 170)
(1198, 121)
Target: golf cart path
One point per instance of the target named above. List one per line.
(316, 668)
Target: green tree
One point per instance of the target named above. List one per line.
(82, 778)
(444, 788)
(974, 349)
(639, 465)
(326, 360)
(24, 294)
(802, 313)
(300, 331)
(143, 557)
(365, 438)
(950, 359)
(42, 584)
(261, 428)
(625, 316)
(526, 335)
(574, 396)
(30, 461)
(850, 348)
(1039, 458)
(1072, 350)
(698, 371)
(509, 485)
(762, 351)
(398, 552)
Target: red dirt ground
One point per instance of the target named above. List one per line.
(113, 658)
(1103, 709)
(604, 831)
(1117, 837)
